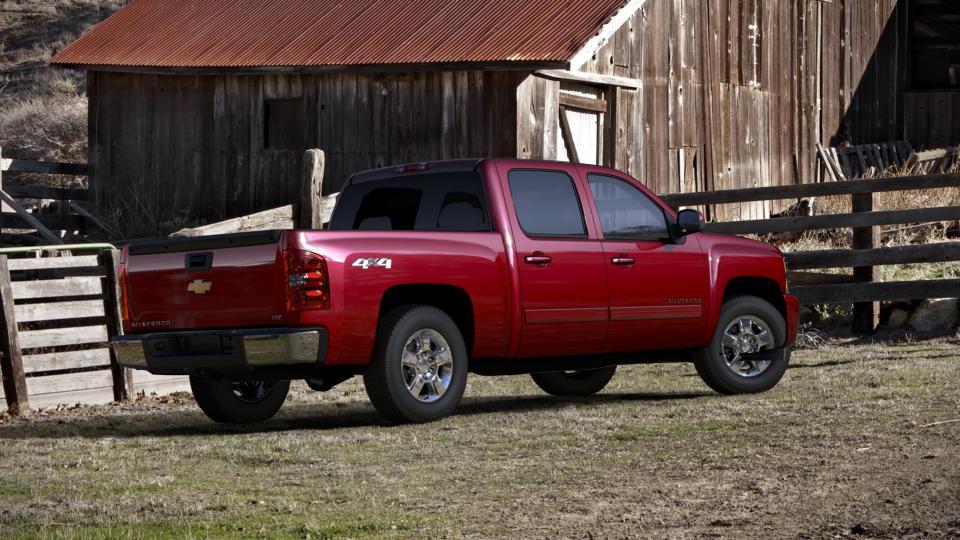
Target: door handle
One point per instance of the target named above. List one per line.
(538, 258)
(623, 260)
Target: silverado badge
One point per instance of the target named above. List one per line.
(199, 286)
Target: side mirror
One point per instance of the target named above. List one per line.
(690, 221)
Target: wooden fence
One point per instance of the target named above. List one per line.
(863, 288)
(57, 316)
(70, 216)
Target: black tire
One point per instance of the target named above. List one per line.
(578, 383)
(710, 362)
(239, 403)
(385, 379)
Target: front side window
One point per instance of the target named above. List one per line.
(546, 203)
(626, 212)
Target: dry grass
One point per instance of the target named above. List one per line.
(43, 110)
(837, 449)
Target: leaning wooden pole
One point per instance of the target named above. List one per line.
(11, 361)
(311, 190)
(110, 264)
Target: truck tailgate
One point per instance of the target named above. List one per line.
(208, 282)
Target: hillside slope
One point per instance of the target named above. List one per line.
(43, 110)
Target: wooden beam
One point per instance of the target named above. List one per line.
(43, 167)
(11, 361)
(571, 101)
(817, 278)
(838, 221)
(845, 258)
(327, 206)
(311, 190)
(851, 293)
(110, 262)
(57, 337)
(46, 263)
(55, 288)
(590, 78)
(29, 219)
(275, 218)
(824, 189)
(59, 361)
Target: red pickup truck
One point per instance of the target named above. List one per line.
(433, 270)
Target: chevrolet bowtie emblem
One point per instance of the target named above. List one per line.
(199, 286)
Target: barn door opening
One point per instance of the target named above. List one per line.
(583, 117)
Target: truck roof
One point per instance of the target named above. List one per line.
(448, 165)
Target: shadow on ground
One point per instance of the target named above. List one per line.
(187, 420)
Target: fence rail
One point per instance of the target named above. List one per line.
(69, 217)
(862, 289)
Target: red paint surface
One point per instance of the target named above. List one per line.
(579, 303)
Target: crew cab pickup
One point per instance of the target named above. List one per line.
(435, 270)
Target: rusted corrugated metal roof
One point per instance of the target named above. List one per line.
(279, 33)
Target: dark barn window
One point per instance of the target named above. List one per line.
(934, 44)
(284, 124)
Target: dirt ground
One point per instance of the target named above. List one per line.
(858, 441)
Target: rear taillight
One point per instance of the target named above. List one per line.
(306, 280)
(124, 296)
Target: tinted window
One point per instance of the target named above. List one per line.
(388, 208)
(421, 202)
(546, 203)
(625, 211)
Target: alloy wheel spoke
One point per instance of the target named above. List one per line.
(416, 385)
(438, 386)
(443, 357)
(409, 359)
(764, 339)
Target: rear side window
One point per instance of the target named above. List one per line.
(546, 203)
(418, 202)
(626, 212)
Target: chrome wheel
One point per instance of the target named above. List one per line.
(427, 365)
(746, 335)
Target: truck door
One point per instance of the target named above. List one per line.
(658, 289)
(563, 287)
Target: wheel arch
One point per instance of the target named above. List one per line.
(761, 287)
(452, 300)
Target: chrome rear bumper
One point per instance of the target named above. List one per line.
(223, 351)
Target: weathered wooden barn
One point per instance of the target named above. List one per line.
(202, 110)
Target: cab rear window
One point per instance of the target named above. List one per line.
(420, 202)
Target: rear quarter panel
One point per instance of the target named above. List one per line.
(475, 262)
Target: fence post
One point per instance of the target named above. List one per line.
(110, 262)
(866, 315)
(311, 190)
(11, 361)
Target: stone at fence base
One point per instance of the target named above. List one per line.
(934, 316)
(898, 318)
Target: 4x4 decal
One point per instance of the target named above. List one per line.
(366, 263)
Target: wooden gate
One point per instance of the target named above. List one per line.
(57, 318)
